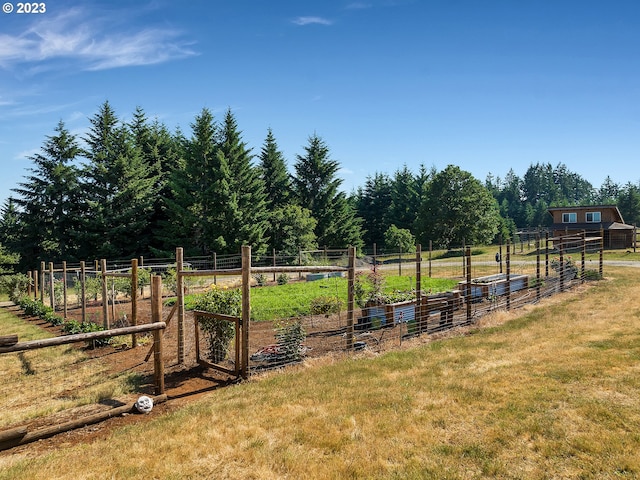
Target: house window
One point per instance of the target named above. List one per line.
(593, 217)
(569, 217)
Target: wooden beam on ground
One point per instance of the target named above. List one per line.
(20, 435)
(7, 340)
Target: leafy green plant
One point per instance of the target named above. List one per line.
(290, 337)
(72, 327)
(218, 333)
(282, 279)
(261, 279)
(170, 280)
(590, 274)
(15, 286)
(92, 287)
(324, 305)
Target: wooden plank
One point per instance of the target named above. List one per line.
(7, 340)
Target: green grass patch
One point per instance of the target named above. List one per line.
(294, 299)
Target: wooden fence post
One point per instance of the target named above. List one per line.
(156, 316)
(83, 290)
(29, 290)
(274, 263)
(105, 298)
(538, 267)
(42, 267)
(430, 255)
(418, 309)
(546, 254)
(601, 261)
(215, 267)
(508, 279)
(64, 289)
(52, 294)
(351, 277)
(561, 266)
(583, 255)
(246, 309)
(375, 257)
(35, 284)
(180, 300)
(468, 285)
(134, 299)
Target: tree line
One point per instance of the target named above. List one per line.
(129, 189)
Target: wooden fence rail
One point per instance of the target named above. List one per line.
(81, 337)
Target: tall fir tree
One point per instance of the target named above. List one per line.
(274, 174)
(405, 198)
(189, 208)
(316, 187)
(244, 219)
(10, 226)
(48, 201)
(372, 202)
(120, 187)
(160, 152)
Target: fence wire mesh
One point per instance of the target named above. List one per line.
(296, 314)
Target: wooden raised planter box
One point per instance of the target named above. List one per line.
(495, 285)
(376, 316)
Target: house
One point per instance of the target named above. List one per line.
(592, 220)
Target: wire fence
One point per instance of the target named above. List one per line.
(293, 308)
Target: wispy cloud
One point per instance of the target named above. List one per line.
(88, 40)
(312, 21)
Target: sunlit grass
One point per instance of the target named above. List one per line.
(544, 392)
(37, 383)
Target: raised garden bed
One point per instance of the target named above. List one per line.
(495, 285)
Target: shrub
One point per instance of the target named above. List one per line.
(15, 286)
(590, 274)
(283, 279)
(92, 287)
(261, 279)
(72, 327)
(53, 319)
(570, 268)
(219, 333)
(324, 305)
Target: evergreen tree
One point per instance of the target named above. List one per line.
(608, 192)
(277, 181)
(372, 204)
(316, 188)
(244, 218)
(160, 152)
(10, 235)
(190, 183)
(629, 204)
(120, 189)
(48, 201)
(406, 191)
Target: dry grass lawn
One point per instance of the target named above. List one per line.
(551, 391)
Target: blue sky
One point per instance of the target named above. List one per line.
(486, 85)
